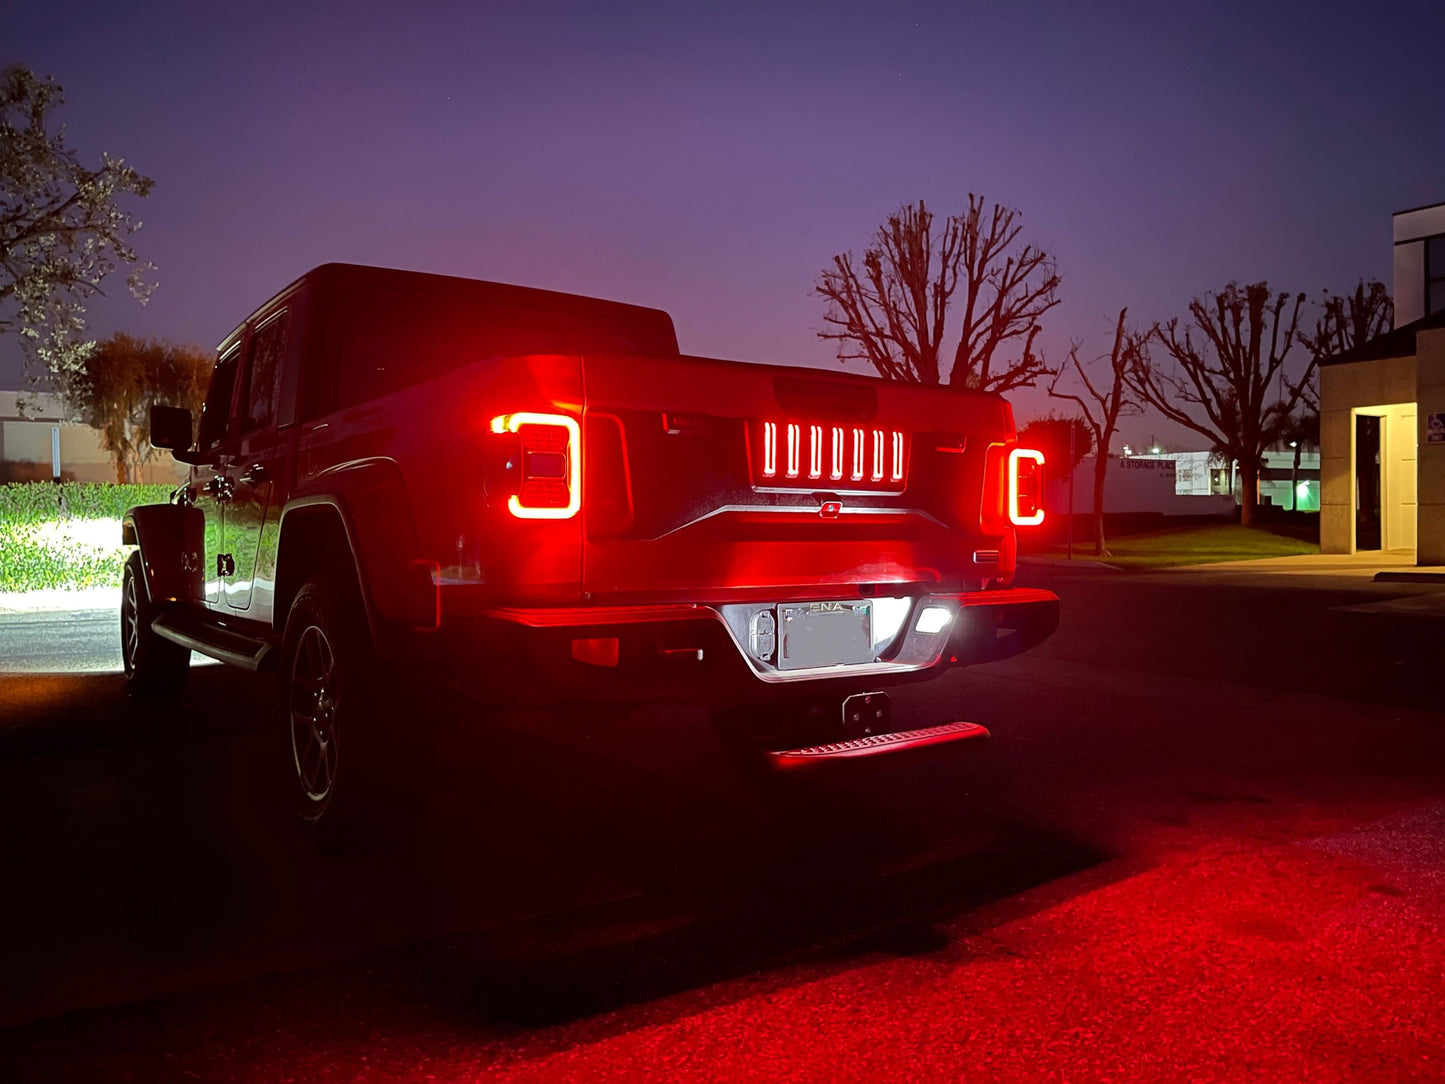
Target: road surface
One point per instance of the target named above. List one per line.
(1206, 843)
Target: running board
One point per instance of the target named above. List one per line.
(218, 641)
(876, 744)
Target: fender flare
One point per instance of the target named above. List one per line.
(171, 541)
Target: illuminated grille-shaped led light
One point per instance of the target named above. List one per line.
(877, 455)
(1025, 487)
(815, 451)
(897, 475)
(933, 619)
(837, 471)
(857, 475)
(770, 449)
(794, 439)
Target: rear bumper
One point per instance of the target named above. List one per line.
(695, 653)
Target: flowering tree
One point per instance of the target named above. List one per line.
(62, 230)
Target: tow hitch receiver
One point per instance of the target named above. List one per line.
(876, 744)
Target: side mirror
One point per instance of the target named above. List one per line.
(171, 429)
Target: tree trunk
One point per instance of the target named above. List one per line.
(1101, 468)
(1248, 493)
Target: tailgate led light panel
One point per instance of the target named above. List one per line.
(810, 456)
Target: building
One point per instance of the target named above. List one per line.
(1382, 413)
(1135, 484)
(39, 445)
(1203, 474)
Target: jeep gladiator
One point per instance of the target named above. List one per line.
(398, 472)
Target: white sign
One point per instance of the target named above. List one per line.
(1435, 428)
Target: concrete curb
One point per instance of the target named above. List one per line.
(53, 600)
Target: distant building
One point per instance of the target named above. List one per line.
(41, 446)
(1207, 474)
(1135, 484)
(1382, 413)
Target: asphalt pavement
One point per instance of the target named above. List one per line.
(1205, 843)
(60, 641)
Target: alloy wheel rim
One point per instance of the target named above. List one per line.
(314, 715)
(129, 625)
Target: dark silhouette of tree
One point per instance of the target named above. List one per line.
(1103, 402)
(890, 308)
(118, 382)
(1050, 435)
(1227, 381)
(1345, 322)
(62, 232)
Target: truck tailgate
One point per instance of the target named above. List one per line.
(711, 480)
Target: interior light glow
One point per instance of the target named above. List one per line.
(933, 619)
(1025, 495)
(560, 463)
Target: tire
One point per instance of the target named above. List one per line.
(330, 718)
(154, 666)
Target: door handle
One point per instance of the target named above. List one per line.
(255, 475)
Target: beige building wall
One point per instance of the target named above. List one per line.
(1343, 390)
(1430, 351)
(25, 451)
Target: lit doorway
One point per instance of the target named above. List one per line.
(1382, 460)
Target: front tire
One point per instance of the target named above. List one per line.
(154, 666)
(326, 670)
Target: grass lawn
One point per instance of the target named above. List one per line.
(1195, 545)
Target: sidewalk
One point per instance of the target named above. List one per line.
(1365, 564)
(52, 600)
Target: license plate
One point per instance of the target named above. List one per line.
(824, 634)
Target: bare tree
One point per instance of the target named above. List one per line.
(1227, 382)
(1102, 409)
(1346, 321)
(890, 308)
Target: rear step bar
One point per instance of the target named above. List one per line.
(218, 641)
(875, 744)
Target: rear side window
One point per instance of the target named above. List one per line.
(268, 348)
(217, 412)
(391, 338)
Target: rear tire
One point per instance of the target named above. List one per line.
(330, 717)
(154, 666)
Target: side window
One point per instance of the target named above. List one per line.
(217, 411)
(268, 348)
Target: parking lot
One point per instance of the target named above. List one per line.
(1206, 842)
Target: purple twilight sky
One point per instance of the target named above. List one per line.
(709, 160)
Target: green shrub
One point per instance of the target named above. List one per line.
(66, 536)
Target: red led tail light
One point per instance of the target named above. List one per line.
(1026, 487)
(807, 455)
(549, 471)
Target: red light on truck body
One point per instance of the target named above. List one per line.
(798, 455)
(1026, 487)
(549, 476)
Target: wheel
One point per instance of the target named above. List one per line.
(328, 706)
(154, 666)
